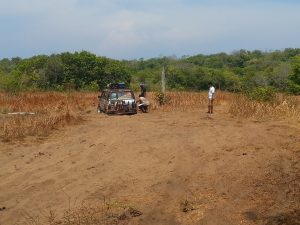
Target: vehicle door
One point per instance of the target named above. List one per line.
(103, 100)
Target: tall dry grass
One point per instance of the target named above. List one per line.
(185, 101)
(40, 112)
(54, 109)
(283, 107)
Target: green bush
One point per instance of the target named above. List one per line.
(93, 86)
(11, 82)
(161, 98)
(293, 88)
(263, 94)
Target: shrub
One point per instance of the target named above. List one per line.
(262, 94)
(294, 88)
(93, 86)
(10, 82)
(161, 98)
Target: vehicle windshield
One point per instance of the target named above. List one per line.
(113, 96)
(121, 95)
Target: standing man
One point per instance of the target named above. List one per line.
(143, 90)
(211, 97)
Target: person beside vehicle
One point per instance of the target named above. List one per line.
(143, 90)
(211, 97)
(143, 103)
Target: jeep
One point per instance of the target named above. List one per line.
(117, 99)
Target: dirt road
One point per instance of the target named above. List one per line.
(176, 168)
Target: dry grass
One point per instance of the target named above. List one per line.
(185, 101)
(283, 107)
(54, 109)
(50, 110)
(103, 213)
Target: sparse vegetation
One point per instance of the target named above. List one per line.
(281, 107)
(184, 101)
(49, 110)
(104, 213)
(37, 113)
(186, 206)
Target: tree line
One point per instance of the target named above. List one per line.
(66, 71)
(238, 71)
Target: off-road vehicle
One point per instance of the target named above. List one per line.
(117, 99)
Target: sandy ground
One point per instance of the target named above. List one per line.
(176, 168)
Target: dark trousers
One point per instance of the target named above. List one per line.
(210, 105)
(144, 108)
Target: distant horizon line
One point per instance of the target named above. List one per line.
(174, 56)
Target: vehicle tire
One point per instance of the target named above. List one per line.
(106, 109)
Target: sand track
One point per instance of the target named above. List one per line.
(228, 170)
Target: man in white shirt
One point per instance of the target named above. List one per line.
(211, 97)
(143, 104)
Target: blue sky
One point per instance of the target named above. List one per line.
(132, 29)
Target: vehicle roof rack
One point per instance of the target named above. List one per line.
(120, 85)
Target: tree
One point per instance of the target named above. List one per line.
(294, 84)
(54, 71)
(11, 82)
(280, 76)
(295, 76)
(115, 71)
